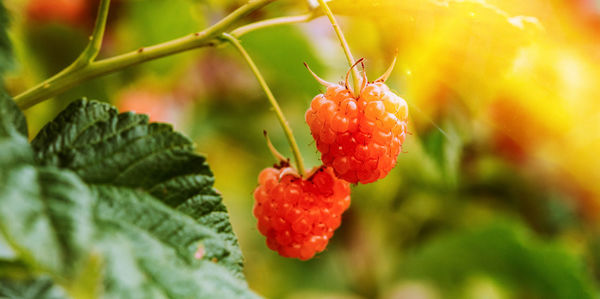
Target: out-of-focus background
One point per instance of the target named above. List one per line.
(497, 191)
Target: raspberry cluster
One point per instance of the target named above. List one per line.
(361, 136)
(298, 216)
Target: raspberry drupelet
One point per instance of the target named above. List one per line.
(359, 136)
(298, 216)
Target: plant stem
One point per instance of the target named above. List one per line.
(340, 35)
(238, 32)
(284, 124)
(85, 68)
(93, 47)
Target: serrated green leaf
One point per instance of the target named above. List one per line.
(12, 120)
(14, 151)
(148, 248)
(104, 147)
(45, 214)
(506, 252)
(140, 267)
(130, 193)
(137, 211)
(14, 148)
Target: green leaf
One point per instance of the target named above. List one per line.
(14, 151)
(140, 267)
(124, 197)
(506, 252)
(12, 120)
(45, 214)
(104, 147)
(151, 250)
(6, 57)
(14, 148)
(137, 211)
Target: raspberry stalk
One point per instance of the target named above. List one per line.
(282, 120)
(340, 35)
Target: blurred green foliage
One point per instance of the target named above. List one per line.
(505, 252)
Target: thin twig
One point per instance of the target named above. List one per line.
(344, 43)
(238, 32)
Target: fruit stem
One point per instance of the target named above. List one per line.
(282, 121)
(340, 35)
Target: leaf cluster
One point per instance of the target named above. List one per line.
(108, 204)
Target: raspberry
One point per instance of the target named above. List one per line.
(359, 137)
(298, 216)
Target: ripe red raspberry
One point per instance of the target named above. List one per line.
(298, 216)
(361, 136)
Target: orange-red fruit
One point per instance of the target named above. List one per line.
(298, 216)
(359, 137)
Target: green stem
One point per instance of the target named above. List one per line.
(85, 68)
(340, 35)
(93, 47)
(284, 124)
(238, 32)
